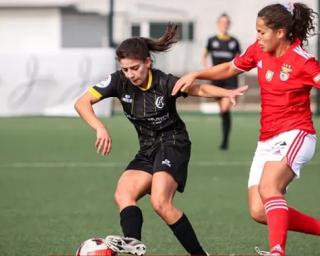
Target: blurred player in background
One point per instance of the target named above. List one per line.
(286, 74)
(160, 166)
(222, 48)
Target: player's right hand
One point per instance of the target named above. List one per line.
(183, 83)
(103, 142)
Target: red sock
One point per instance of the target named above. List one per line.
(303, 223)
(278, 220)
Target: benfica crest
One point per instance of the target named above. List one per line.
(285, 72)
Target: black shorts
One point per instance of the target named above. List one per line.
(171, 155)
(230, 83)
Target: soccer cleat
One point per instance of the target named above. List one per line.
(125, 245)
(264, 253)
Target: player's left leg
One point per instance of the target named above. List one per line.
(163, 190)
(275, 178)
(224, 105)
(298, 221)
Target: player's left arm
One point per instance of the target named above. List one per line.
(208, 90)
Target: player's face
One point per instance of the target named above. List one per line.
(223, 25)
(136, 70)
(268, 39)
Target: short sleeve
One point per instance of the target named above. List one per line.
(106, 88)
(171, 82)
(311, 73)
(208, 45)
(248, 59)
(238, 48)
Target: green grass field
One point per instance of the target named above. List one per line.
(55, 192)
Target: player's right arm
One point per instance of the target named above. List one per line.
(84, 107)
(218, 72)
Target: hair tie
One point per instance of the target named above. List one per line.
(288, 5)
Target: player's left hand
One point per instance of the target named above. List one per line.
(235, 93)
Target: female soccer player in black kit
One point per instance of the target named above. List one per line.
(160, 166)
(223, 48)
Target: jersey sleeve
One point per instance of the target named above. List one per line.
(311, 73)
(248, 59)
(238, 48)
(171, 82)
(208, 45)
(106, 88)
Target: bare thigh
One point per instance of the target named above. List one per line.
(163, 190)
(132, 185)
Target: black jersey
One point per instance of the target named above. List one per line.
(153, 111)
(222, 50)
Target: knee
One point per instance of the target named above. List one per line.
(118, 197)
(267, 190)
(159, 206)
(123, 199)
(258, 214)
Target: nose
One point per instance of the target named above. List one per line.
(258, 37)
(130, 74)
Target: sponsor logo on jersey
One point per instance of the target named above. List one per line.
(166, 162)
(316, 79)
(127, 98)
(269, 75)
(104, 83)
(285, 72)
(232, 45)
(159, 102)
(215, 44)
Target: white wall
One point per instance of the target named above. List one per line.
(28, 29)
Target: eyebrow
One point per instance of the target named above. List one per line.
(134, 66)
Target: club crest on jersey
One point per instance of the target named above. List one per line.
(104, 83)
(285, 72)
(159, 102)
(269, 75)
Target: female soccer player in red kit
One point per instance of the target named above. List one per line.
(286, 74)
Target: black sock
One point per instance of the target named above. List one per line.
(131, 220)
(226, 127)
(184, 232)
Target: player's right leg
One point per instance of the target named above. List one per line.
(132, 185)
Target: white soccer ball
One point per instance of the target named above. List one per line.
(94, 247)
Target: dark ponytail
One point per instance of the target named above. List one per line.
(299, 23)
(140, 47)
(303, 22)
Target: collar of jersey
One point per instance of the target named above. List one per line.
(223, 37)
(149, 82)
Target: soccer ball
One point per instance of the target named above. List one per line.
(94, 247)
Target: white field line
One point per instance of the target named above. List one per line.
(120, 164)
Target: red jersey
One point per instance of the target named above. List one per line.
(285, 83)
